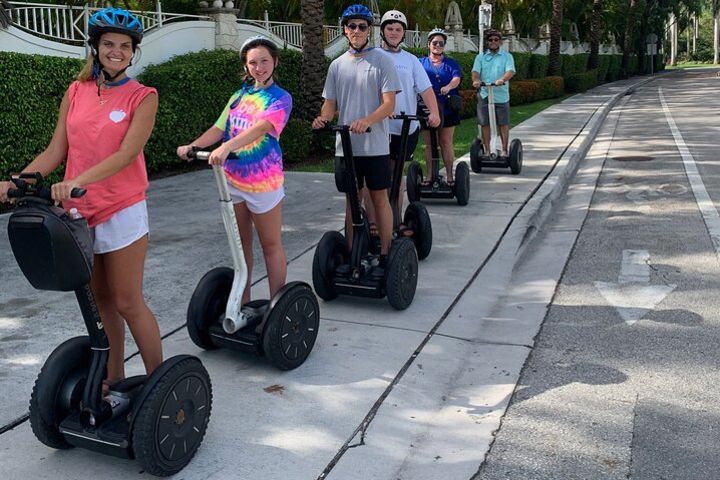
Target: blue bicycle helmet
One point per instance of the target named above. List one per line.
(357, 11)
(116, 20)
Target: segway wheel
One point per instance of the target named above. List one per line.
(172, 420)
(331, 252)
(208, 304)
(462, 184)
(515, 156)
(402, 274)
(414, 179)
(417, 219)
(292, 327)
(58, 390)
(477, 150)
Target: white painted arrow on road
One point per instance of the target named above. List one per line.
(632, 295)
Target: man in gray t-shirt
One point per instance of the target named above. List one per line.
(360, 87)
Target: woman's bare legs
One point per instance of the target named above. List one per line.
(269, 229)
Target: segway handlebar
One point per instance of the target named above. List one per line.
(197, 154)
(36, 189)
(338, 128)
(405, 116)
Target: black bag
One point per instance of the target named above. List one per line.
(455, 102)
(54, 251)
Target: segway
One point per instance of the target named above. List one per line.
(337, 271)
(283, 329)
(159, 420)
(416, 216)
(439, 187)
(479, 158)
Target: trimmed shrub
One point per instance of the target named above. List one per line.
(549, 87)
(522, 65)
(193, 90)
(523, 91)
(614, 68)
(30, 93)
(469, 103)
(538, 66)
(296, 140)
(579, 82)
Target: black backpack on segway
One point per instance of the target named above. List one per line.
(160, 419)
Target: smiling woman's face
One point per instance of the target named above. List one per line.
(115, 51)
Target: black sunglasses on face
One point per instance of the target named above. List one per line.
(494, 39)
(437, 44)
(354, 26)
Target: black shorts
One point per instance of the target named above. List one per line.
(412, 142)
(374, 170)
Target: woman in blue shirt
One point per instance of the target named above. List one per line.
(445, 76)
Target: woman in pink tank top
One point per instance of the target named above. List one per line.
(105, 120)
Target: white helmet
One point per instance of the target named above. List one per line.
(437, 31)
(393, 16)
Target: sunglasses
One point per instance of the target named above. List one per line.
(354, 26)
(494, 39)
(437, 44)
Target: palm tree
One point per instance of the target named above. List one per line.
(313, 63)
(595, 34)
(5, 19)
(629, 37)
(555, 37)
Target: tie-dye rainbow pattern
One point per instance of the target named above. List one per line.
(256, 167)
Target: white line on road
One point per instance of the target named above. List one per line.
(705, 204)
(632, 295)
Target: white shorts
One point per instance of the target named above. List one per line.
(257, 202)
(122, 229)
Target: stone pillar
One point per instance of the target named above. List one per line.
(454, 27)
(226, 32)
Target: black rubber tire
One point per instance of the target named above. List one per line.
(477, 150)
(413, 181)
(402, 274)
(417, 219)
(462, 183)
(515, 156)
(173, 418)
(207, 304)
(292, 327)
(330, 252)
(58, 389)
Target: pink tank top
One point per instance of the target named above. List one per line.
(96, 126)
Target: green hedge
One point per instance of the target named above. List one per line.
(30, 93)
(193, 90)
(538, 66)
(579, 82)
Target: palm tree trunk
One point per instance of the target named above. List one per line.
(313, 63)
(629, 38)
(555, 37)
(595, 34)
(5, 19)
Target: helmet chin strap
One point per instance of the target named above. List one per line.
(358, 50)
(106, 78)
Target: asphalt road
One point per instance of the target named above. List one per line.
(622, 382)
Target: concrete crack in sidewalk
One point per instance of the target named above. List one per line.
(362, 428)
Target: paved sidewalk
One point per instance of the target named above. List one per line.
(421, 390)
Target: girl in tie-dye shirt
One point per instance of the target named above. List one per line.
(249, 130)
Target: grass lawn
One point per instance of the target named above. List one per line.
(690, 65)
(465, 133)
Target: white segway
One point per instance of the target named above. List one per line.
(479, 158)
(283, 329)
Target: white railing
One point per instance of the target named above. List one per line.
(70, 24)
(291, 33)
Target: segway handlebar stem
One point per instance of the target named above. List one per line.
(234, 319)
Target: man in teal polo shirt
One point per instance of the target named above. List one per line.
(494, 67)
